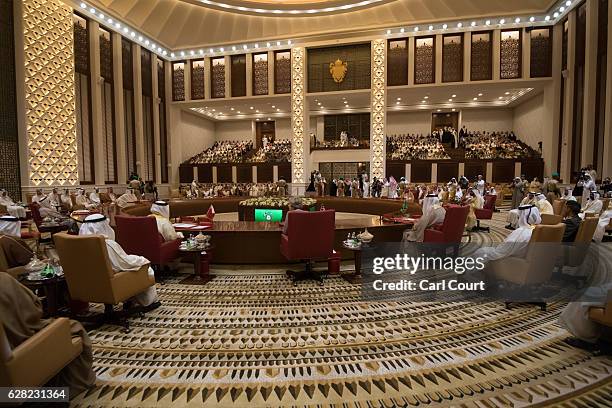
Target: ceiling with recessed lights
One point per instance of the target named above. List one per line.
(182, 24)
(400, 99)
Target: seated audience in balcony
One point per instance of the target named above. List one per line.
(228, 151)
(272, 152)
(495, 145)
(413, 146)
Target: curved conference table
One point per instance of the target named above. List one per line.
(249, 242)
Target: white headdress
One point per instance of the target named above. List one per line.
(161, 208)
(97, 224)
(10, 225)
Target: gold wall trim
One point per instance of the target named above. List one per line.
(49, 93)
(378, 101)
(298, 113)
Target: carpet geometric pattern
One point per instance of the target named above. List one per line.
(255, 340)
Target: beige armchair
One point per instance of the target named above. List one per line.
(38, 359)
(90, 277)
(536, 266)
(551, 219)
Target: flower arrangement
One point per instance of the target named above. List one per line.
(275, 202)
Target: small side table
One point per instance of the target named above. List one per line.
(52, 292)
(354, 278)
(200, 277)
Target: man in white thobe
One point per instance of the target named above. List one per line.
(46, 209)
(94, 197)
(83, 201)
(480, 185)
(604, 221)
(433, 213)
(66, 200)
(513, 215)
(543, 205)
(575, 316)
(127, 199)
(161, 211)
(593, 205)
(516, 243)
(589, 187)
(97, 224)
(12, 208)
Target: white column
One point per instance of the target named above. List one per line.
(496, 54)
(434, 172)
(234, 174)
(590, 84)
(411, 48)
(461, 168)
(378, 101)
(275, 173)
(214, 174)
(517, 169)
(467, 56)
(568, 102)
(138, 114)
(438, 45)
(96, 101)
(187, 79)
(271, 65)
(489, 172)
(120, 146)
(408, 172)
(526, 57)
(552, 102)
(207, 78)
(607, 142)
(254, 170)
(249, 74)
(228, 76)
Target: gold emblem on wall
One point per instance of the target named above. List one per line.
(338, 70)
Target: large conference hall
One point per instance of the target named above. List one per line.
(324, 203)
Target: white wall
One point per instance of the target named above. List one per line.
(283, 128)
(487, 119)
(234, 130)
(408, 122)
(195, 133)
(528, 120)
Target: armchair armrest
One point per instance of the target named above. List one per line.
(130, 283)
(42, 356)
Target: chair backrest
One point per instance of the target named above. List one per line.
(605, 204)
(86, 266)
(311, 234)
(587, 229)
(489, 202)
(558, 207)
(454, 222)
(138, 236)
(4, 266)
(35, 210)
(551, 219)
(540, 257)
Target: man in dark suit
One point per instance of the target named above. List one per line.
(572, 221)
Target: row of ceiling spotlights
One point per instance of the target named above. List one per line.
(116, 25)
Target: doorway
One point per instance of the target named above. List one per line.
(444, 119)
(267, 129)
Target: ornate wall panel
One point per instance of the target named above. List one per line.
(424, 60)
(510, 54)
(260, 74)
(482, 57)
(238, 72)
(452, 58)
(358, 63)
(397, 62)
(129, 128)
(83, 115)
(298, 113)
(148, 165)
(178, 81)
(282, 72)
(197, 79)
(163, 131)
(9, 137)
(217, 79)
(49, 93)
(108, 106)
(379, 102)
(541, 53)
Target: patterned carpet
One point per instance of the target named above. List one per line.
(253, 340)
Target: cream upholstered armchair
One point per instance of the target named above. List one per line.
(551, 219)
(90, 277)
(536, 266)
(38, 359)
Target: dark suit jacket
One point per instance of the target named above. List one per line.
(571, 228)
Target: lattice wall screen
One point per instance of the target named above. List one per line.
(298, 112)
(378, 101)
(49, 93)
